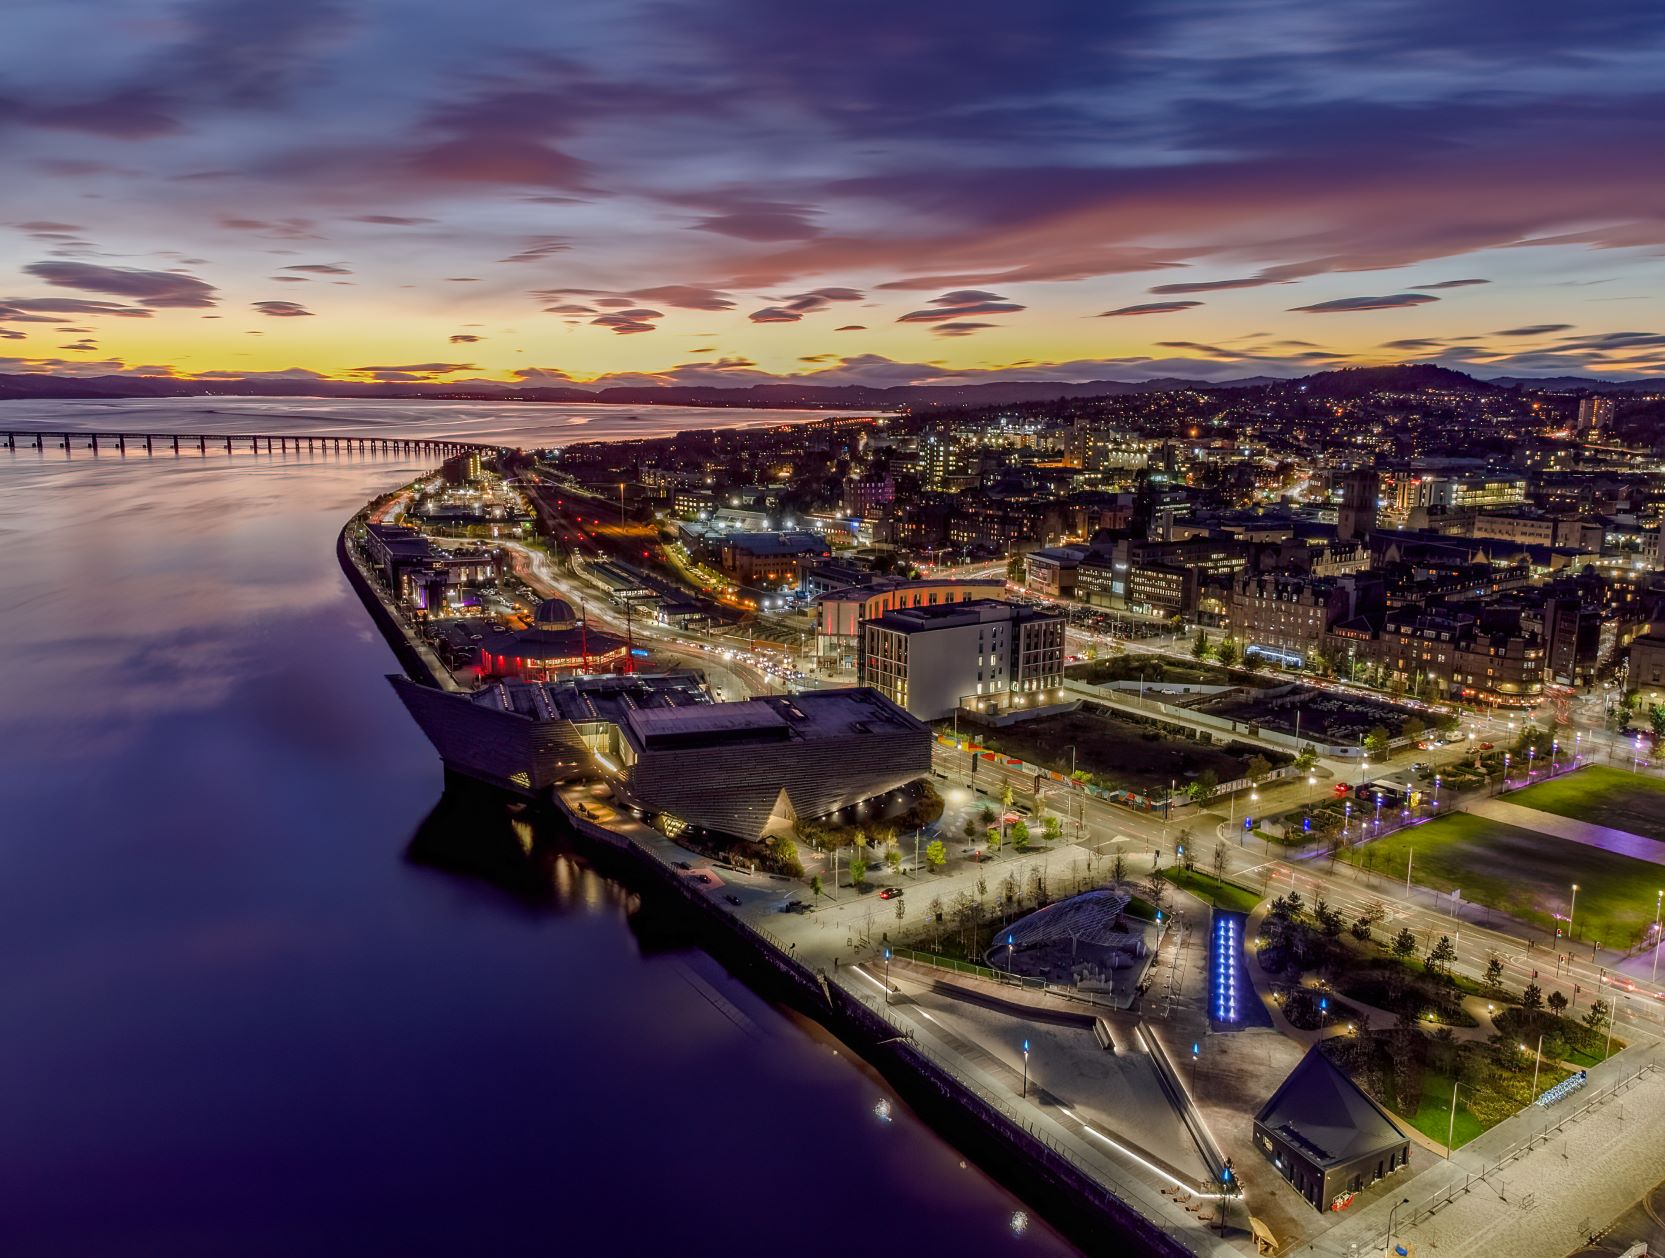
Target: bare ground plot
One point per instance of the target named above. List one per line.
(1119, 754)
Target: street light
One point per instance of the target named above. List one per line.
(1536, 1065)
(887, 976)
(1025, 1068)
(1658, 904)
(1451, 1125)
(1571, 909)
(1388, 1239)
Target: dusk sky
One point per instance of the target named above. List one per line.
(732, 191)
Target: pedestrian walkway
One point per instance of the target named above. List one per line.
(1619, 842)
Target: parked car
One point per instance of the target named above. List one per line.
(733, 899)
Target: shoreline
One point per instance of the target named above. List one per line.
(1070, 1199)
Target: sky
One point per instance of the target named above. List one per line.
(874, 191)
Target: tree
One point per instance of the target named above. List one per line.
(936, 855)
(1156, 890)
(1007, 795)
(1404, 944)
(893, 858)
(1202, 787)
(1020, 836)
(1328, 919)
(1412, 728)
(1656, 718)
(985, 814)
(993, 838)
(1557, 1003)
(1052, 829)
(1376, 742)
(1221, 855)
(1199, 645)
(1532, 998)
(815, 886)
(1442, 955)
(858, 871)
(969, 829)
(1494, 973)
(1361, 929)
(1257, 768)
(1306, 758)
(1598, 1015)
(1226, 651)
(1118, 867)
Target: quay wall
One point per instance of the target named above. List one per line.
(1069, 1196)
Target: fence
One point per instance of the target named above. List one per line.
(1523, 1146)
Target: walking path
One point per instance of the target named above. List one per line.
(1620, 842)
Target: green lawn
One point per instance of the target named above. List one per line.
(1604, 796)
(1225, 895)
(1526, 875)
(1433, 1116)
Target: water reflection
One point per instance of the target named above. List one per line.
(263, 995)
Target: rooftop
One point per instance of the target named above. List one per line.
(820, 714)
(1328, 1115)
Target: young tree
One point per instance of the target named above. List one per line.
(1412, 728)
(858, 871)
(1218, 862)
(1328, 919)
(1557, 1003)
(936, 855)
(1007, 795)
(1376, 743)
(1202, 786)
(1404, 945)
(1656, 718)
(985, 814)
(1020, 836)
(1361, 929)
(1494, 973)
(1441, 957)
(1257, 768)
(993, 838)
(1226, 651)
(1598, 1015)
(1306, 758)
(815, 886)
(1532, 998)
(893, 858)
(1118, 867)
(969, 829)
(1156, 890)
(1052, 829)
(1199, 645)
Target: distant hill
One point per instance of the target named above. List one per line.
(1350, 382)
(1576, 384)
(1346, 382)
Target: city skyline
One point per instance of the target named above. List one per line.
(740, 193)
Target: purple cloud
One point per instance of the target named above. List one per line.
(156, 289)
(282, 309)
(1344, 305)
(1150, 308)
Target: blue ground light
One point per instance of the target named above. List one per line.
(1232, 1003)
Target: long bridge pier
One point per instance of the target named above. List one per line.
(253, 443)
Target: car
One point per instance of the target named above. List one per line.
(683, 865)
(733, 899)
(701, 878)
(891, 893)
(1485, 747)
(1421, 766)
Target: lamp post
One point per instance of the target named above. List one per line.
(1658, 904)
(1572, 908)
(1025, 1068)
(887, 975)
(1451, 1125)
(1387, 1240)
(1436, 792)
(1536, 1065)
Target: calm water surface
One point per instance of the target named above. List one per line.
(243, 1008)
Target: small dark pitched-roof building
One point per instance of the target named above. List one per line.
(1325, 1135)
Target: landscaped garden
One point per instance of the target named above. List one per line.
(1526, 875)
(1408, 1039)
(1603, 796)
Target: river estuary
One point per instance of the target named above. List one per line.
(250, 1004)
